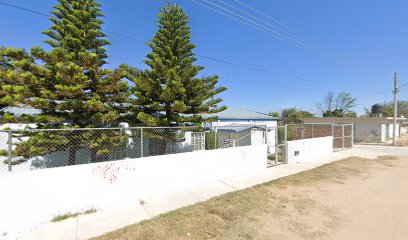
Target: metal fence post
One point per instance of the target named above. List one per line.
(312, 130)
(342, 134)
(141, 142)
(352, 134)
(10, 149)
(286, 144)
(215, 138)
(266, 136)
(276, 145)
(332, 128)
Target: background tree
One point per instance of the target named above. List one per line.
(388, 109)
(170, 93)
(71, 85)
(293, 115)
(274, 114)
(337, 106)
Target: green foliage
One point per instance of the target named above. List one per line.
(339, 113)
(65, 216)
(210, 141)
(7, 118)
(388, 109)
(293, 115)
(340, 105)
(70, 85)
(169, 93)
(274, 114)
(3, 153)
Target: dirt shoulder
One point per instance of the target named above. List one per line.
(353, 198)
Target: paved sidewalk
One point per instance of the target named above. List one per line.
(106, 220)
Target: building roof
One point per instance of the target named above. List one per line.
(237, 128)
(241, 114)
(379, 120)
(19, 111)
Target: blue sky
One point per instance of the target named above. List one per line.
(369, 39)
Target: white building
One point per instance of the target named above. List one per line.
(368, 129)
(247, 125)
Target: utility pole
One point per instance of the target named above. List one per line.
(394, 133)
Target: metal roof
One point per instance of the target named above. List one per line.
(241, 114)
(237, 128)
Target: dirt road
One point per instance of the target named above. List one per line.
(373, 206)
(354, 198)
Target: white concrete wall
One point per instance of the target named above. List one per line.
(309, 149)
(367, 132)
(387, 132)
(32, 197)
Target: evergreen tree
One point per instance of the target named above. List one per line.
(69, 84)
(13, 89)
(170, 93)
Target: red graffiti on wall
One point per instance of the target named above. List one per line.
(108, 171)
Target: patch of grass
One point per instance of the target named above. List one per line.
(273, 157)
(278, 208)
(65, 216)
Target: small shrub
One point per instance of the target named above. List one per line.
(65, 216)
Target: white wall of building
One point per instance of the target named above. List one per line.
(220, 123)
(309, 149)
(269, 123)
(367, 132)
(32, 197)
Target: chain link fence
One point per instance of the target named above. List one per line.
(31, 149)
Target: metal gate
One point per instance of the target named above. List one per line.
(343, 136)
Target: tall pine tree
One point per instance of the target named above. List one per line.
(69, 83)
(170, 93)
(13, 88)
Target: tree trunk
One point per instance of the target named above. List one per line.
(94, 157)
(72, 155)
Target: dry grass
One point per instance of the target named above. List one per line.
(65, 216)
(403, 141)
(281, 209)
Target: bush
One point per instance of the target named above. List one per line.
(210, 141)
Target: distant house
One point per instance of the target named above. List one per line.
(246, 125)
(368, 129)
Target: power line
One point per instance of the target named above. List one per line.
(203, 56)
(255, 68)
(126, 36)
(210, 58)
(272, 85)
(403, 85)
(25, 9)
(274, 26)
(268, 30)
(281, 23)
(374, 94)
